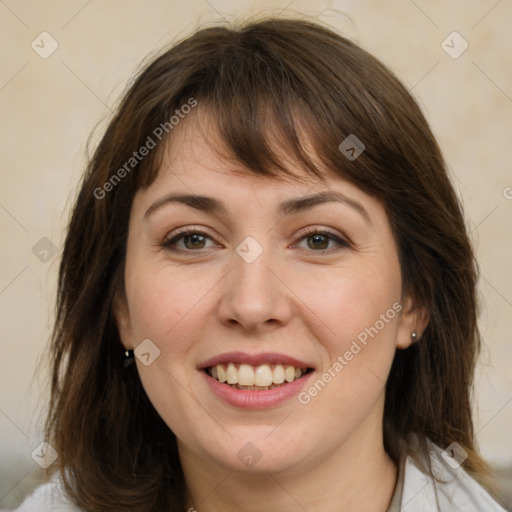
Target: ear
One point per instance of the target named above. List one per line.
(414, 318)
(122, 317)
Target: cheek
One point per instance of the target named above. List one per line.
(164, 307)
(359, 313)
(349, 305)
(358, 334)
(163, 302)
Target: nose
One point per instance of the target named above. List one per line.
(255, 295)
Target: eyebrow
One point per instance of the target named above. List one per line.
(290, 206)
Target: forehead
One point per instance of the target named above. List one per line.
(196, 162)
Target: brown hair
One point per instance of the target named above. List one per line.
(115, 452)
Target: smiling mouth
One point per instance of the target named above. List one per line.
(255, 378)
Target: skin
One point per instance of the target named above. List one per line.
(294, 299)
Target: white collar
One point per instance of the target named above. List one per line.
(457, 491)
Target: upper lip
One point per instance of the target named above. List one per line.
(254, 359)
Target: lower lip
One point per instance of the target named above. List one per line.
(264, 399)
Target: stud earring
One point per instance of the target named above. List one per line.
(128, 358)
(414, 336)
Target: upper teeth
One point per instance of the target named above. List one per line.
(263, 375)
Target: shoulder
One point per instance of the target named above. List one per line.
(49, 497)
(457, 491)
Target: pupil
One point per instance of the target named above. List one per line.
(195, 239)
(319, 238)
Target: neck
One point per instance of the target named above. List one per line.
(357, 476)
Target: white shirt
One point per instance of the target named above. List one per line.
(458, 492)
(415, 492)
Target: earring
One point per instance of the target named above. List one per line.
(414, 336)
(128, 358)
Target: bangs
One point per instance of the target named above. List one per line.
(283, 99)
(263, 123)
(269, 108)
(271, 143)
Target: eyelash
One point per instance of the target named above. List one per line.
(169, 244)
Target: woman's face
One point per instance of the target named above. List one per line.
(284, 278)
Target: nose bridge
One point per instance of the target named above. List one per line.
(253, 293)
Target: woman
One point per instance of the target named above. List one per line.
(267, 293)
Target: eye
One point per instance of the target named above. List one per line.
(192, 239)
(319, 240)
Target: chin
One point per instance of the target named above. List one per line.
(261, 449)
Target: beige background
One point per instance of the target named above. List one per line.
(49, 107)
